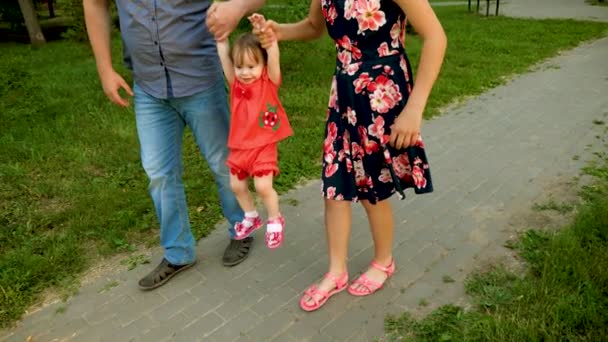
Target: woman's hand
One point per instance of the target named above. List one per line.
(406, 129)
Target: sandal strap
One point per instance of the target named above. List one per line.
(312, 291)
(389, 270)
(367, 283)
(338, 281)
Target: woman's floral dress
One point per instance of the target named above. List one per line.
(369, 90)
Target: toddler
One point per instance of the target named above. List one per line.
(258, 122)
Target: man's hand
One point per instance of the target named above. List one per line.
(223, 17)
(111, 82)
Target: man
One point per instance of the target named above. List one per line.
(170, 47)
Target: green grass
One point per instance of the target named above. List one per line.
(598, 2)
(562, 297)
(72, 189)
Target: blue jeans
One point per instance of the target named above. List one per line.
(160, 126)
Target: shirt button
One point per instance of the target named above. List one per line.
(162, 64)
(153, 18)
(155, 43)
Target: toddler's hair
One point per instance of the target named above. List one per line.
(248, 44)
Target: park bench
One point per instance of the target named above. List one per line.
(487, 6)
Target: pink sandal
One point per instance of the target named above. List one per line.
(275, 239)
(369, 286)
(313, 290)
(241, 232)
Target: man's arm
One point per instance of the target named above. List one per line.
(224, 16)
(223, 50)
(97, 19)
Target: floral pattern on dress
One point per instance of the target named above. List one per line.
(370, 88)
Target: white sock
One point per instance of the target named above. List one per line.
(274, 227)
(250, 214)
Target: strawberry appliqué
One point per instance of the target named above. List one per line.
(269, 118)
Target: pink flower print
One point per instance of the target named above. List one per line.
(328, 146)
(330, 156)
(333, 94)
(331, 192)
(401, 166)
(384, 95)
(369, 146)
(330, 170)
(379, 82)
(369, 15)
(360, 178)
(352, 116)
(344, 43)
(352, 68)
(345, 58)
(404, 68)
(328, 143)
(385, 176)
(341, 155)
(340, 197)
(367, 183)
(396, 34)
(356, 52)
(350, 9)
(330, 14)
(419, 141)
(384, 139)
(332, 131)
(384, 50)
(361, 82)
(388, 70)
(393, 91)
(349, 165)
(346, 140)
(418, 176)
(376, 129)
(357, 150)
(380, 101)
(387, 156)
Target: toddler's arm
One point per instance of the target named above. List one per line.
(272, 49)
(223, 50)
(274, 63)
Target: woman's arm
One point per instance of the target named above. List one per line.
(223, 50)
(420, 14)
(434, 42)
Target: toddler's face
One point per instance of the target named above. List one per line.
(248, 70)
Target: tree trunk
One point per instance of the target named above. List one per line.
(51, 8)
(31, 22)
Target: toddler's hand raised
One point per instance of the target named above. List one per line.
(265, 30)
(257, 20)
